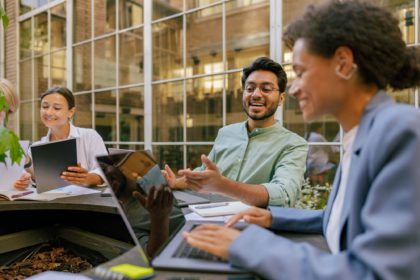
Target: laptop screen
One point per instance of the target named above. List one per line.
(153, 214)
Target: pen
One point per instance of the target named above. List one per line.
(213, 205)
(21, 194)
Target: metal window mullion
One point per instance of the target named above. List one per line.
(224, 58)
(69, 43)
(117, 73)
(184, 86)
(147, 66)
(38, 10)
(49, 47)
(92, 72)
(33, 75)
(17, 125)
(2, 47)
(416, 42)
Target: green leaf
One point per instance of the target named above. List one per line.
(9, 145)
(2, 101)
(5, 21)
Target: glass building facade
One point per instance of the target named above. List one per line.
(165, 74)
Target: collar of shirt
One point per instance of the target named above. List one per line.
(74, 133)
(261, 130)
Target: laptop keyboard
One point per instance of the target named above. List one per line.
(185, 250)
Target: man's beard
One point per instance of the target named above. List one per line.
(270, 112)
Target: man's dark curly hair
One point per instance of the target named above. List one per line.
(370, 31)
(266, 64)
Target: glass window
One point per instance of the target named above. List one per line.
(82, 20)
(39, 3)
(171, 155)
(105, 63)
(25, 6)
(168, 112)
(105, 16)
(25, 79)
(133, 147)
(131, 57)
(25, 39)
(194, 153)
(25, 121)
(246, 42)
(234, 106)
(41, 74)
(83, 115)
(58, 27)
(58, 68)
(131, 113)
(105, 115)
(167, 49)
(204, 41)
(404, 11)
(40, 129)
(204, 108)
(41, 44)
(192, 4)
(166, 8)
(406, 96)
(82, 63)
(131, 13)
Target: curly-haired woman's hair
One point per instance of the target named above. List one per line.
(370, 31)
(266, 64)
(63, 91)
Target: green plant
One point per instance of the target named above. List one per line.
(9, 142)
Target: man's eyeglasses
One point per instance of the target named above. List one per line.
(264, 89)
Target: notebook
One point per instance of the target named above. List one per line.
(174, 253)
(9, 172)
(50, 160)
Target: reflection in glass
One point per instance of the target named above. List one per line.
(82, 20)
(170, 155)
(40, 129)
(234, 106)
(204, 108)
(39, 3)
(105, 16)
(82, 63)
(105, 115)
(25, 6)
(58, 68)
(191, 4)
(105, 63)
(246, 42)
(25, 39)
(131, 57)
(25, 121)
(204, 41)
(131, 13)
(132, 147)
(41, 43)
(406, 96)
(131, 113)
(167, 49)
(165, 8)
(404, 11)
(41, 74)
(25, 79)
(83, 115)
(58, 27)
(194, 153)
(168, 112)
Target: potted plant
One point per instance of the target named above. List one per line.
(9, 142)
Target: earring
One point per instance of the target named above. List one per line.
(349, 75)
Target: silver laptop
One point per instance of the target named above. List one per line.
(50, 160)
(9, 172)
(174, 253)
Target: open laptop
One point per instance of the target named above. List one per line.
(175, 253)
(9, 172)
(184, 198)
(50, 160)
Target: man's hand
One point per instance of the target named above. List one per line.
(209, 180)
(214, 239)
(158, 202)
(254, 215)
(24, 181)
(80, 176)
